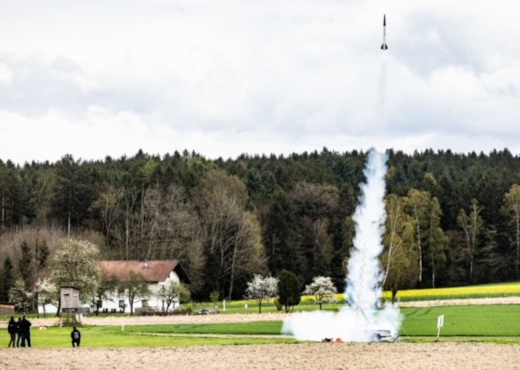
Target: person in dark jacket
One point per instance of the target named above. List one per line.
(25, 331)
(18, 333)
(76, 337)
(11, 329)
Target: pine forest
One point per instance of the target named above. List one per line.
(452, 219)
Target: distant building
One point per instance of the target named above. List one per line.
(6, 308)
(157, 273)
(70, 299)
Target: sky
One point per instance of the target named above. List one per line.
(222, 78)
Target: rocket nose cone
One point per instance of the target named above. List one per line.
(384, 20)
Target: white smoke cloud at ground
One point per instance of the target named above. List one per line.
(358, 321)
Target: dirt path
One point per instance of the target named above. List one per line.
(303, 356)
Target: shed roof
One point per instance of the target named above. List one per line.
(153, 271)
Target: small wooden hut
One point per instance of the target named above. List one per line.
(69, 299)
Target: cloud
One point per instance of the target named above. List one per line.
(256, 76)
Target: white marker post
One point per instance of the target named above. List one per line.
(440, 324)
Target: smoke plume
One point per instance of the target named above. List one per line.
(362, 317)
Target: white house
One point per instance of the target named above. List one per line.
(157, 273)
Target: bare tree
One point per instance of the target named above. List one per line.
(418, 207)
(130, 221)
(107, 206)
(472, 225)
(134, 287)
(172, 230)
(171, 292)
(512, 209)
(399, 258)
(429, 237)
(232, 233)
(107, 285)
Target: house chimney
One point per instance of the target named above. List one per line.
(145, 264)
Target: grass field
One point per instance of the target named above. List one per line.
(472, 322)
(482, 323)
(164, 335)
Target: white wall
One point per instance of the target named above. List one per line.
(152, 301)
(113, 302)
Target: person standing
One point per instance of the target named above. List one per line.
(76, 337)
(11, 329)
(18, 333)
(25, 331)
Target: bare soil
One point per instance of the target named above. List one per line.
(276, 356)
(361, 356)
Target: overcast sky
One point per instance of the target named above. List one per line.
(110, 77)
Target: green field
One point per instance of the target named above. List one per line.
(471, 322)
(164, 335)
(486, 323)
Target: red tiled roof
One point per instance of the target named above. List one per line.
(153, 271)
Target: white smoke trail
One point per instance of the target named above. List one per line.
(358, 321)
(381, 131)
(381, 104)
(364, 269)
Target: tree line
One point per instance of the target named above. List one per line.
(452, 219)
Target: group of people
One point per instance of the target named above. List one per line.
(20, 333)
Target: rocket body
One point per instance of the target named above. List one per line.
(384, 46)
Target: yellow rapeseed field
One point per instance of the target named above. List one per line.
(476, 291)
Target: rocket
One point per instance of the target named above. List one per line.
(384, 47)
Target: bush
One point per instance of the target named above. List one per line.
(214, 296)
(69, 320)
(183, 310)
(289, 290)
(278, 305)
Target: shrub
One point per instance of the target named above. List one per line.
(278, 305)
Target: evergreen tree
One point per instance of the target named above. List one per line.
(8, 279)
(281, 236)
(289, 290)
(25, 267)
